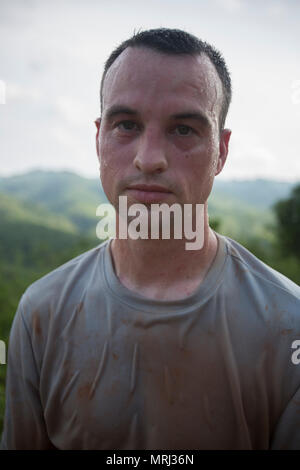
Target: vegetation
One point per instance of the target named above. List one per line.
(288, 229)
(47, 218)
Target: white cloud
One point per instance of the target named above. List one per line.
(276, 9)
(72, 110)
(17, 92)
(230, 5)
(250, 158)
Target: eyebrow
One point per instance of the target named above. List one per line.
(119, 109)
(195, 115)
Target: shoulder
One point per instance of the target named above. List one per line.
(246, 266)
(70, 272)
(263, 313)
(266, 327)
(64, 286)
(264, 300)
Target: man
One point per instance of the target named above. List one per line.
(141, 343)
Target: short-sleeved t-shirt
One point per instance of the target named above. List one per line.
(94, 365)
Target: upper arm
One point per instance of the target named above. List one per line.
(287, 431)
(24, 423)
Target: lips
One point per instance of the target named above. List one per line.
(148, 193)
(150, 187)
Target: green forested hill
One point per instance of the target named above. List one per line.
(55, 189)
(259, 193)
(64, 191)
(242, 206)
(239, 219)
(13, 209)
(63, 194)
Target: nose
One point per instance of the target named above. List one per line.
(151, 155)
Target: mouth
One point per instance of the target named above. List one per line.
(149, 193)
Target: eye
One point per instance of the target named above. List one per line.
(183, 130)
(126, 125)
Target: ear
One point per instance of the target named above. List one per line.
(97, 123)
(223, 150)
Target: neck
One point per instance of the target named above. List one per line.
(163, 269)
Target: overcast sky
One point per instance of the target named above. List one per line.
(52, 55)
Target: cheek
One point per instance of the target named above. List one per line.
(109, 161)
(113, 155)
(115, 161)
(198, 161)
(196, 170)
(107, 165)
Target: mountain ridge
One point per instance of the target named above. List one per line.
(72, 199)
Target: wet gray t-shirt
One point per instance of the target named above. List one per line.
(93, 365)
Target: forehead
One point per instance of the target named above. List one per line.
(141, 75)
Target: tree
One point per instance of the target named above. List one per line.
(287, 213)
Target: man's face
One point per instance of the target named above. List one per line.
(160, 126)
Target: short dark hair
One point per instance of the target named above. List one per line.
(177, 42)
